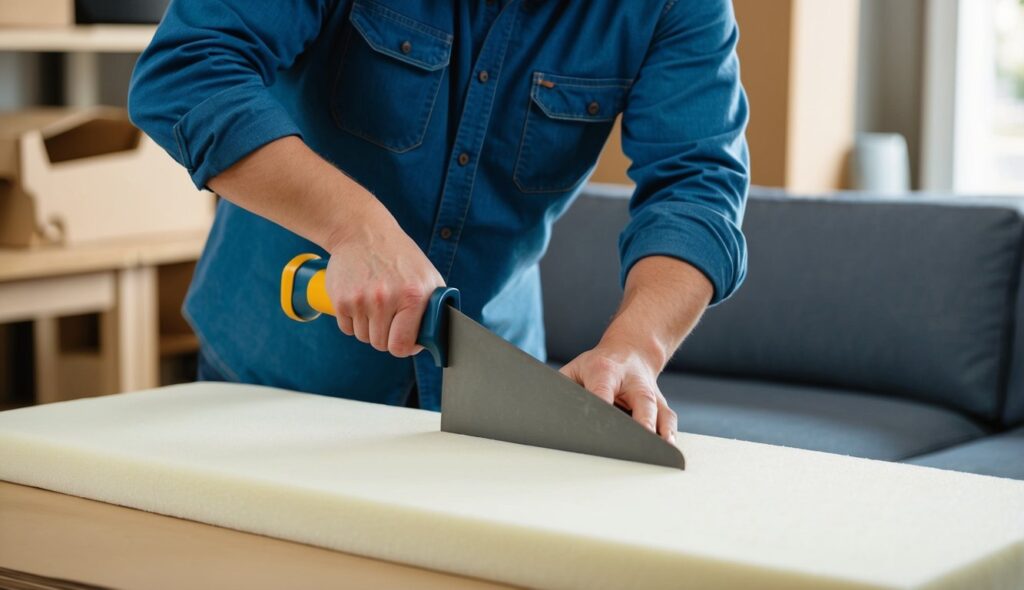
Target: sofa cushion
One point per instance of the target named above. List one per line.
(1013, 414)
(899, 298)
(907, 297)
(1001, 455)
(834, 421)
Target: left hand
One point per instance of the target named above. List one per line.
(621, 376)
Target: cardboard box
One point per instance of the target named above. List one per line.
(37, 13)
(69, 176)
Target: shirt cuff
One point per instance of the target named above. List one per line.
(228, 126)
(702, 238)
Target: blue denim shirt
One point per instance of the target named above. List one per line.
(474, 122)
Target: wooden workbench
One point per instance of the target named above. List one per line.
(116, 279)
(68, 538)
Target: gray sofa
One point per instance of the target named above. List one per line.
(874, 327)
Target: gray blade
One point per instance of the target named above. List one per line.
(494, 390)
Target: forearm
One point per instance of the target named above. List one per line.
(664, 298)
(288, 183)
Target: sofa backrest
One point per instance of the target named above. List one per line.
(1013, 413)
(914, 298)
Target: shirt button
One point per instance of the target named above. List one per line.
(406, 47)
(593, 108)
(484, 76)
(446, 233)
(463, 159)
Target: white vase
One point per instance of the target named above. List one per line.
(881, 164)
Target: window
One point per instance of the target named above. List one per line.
(1007, 125)
(974, 107)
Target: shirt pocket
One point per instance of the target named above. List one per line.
(567, 122)
(391, 70)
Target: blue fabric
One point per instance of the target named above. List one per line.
(391, 92)
(206, 370)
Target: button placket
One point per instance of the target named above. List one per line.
(469, 139)
(458, 186)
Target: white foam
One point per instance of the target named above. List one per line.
(383, 482)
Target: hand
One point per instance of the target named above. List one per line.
(380, 282)
(622, 377)
(378, 279)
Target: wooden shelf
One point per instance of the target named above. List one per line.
(27, 263)
(81, 38)
(175, 344)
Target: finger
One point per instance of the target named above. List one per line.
(404, 329)
(345, 325)
(644, 406)
(380, 317)
(668, 422)
(380, 327)
(570, 371)
(345, 310)
(361, 327)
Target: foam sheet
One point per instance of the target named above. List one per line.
(384, 482)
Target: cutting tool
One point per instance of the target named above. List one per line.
(490, 388)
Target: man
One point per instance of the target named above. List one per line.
(422, 143)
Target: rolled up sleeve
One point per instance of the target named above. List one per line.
(200, 89)
(683, 128)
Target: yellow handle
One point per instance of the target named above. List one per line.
(304, 298)
(304, 288)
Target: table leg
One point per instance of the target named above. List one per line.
(46, 344)
(137, 329)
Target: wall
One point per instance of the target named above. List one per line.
(888, 82)
(890, 74)
(799, 67)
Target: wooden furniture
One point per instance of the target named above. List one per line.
(89, 38)
(120, 281)
(75, 175)
(50, 534)
(81, 45)
(799, 67)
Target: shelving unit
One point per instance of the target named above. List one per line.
(81, 46)
(135, 286)
(81, 38)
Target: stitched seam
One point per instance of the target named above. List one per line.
(944, 446)
(583, 82)
(567, 116)
(386, 12)
(522, 141)
(374, 45)
(186, 159)
(570, 116)
(337, 77)
(1010, 340)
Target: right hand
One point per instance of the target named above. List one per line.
(380, 282)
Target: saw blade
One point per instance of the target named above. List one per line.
(491, 389)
